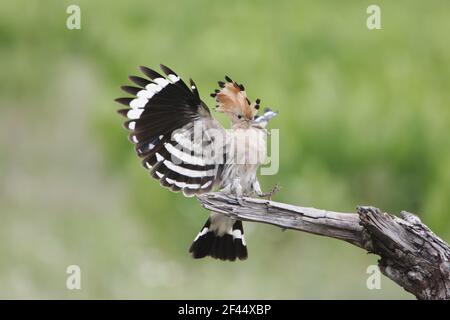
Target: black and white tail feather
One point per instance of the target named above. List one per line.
(162, 113)
(221, 238)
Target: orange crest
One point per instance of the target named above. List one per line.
(232, 99)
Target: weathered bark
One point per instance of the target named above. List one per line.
(411, 254)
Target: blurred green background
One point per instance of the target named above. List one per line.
(364, 119)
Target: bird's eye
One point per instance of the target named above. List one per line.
(239, 116)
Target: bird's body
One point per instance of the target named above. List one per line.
(187, 150)
(248, 154)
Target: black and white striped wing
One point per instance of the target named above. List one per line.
(162, 116)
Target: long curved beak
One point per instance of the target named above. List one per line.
(264, 119)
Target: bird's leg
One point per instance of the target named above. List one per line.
(236, 189)
(268, 195)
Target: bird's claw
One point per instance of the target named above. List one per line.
(268, 195)
(240, 201)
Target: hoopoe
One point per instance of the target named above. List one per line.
(187, 150)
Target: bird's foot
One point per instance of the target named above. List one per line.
(268, 195)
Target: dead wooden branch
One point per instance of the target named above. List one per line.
(411, 254)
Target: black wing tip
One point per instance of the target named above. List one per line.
(152, 74)
(193, 85)
(123, 101)
(167, 70)
(194, 89)
(139, 80)
(125, 124)
(123, 112)
(130, 89)
(143, 69)
(164, 68)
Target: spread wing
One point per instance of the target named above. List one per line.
(173, 132)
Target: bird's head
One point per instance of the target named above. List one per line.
(233, 101)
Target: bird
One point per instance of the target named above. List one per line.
(189, 151)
